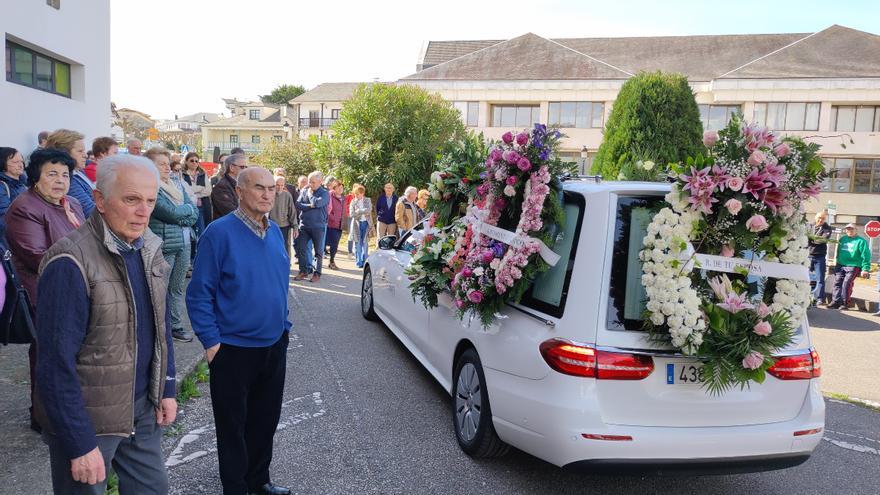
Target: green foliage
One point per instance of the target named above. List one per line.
(388, 133)
(283, 94)
(112, 483)
(457, 175)
(189, 386)
(655, 117)
(295, 157)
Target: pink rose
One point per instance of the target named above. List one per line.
(490, 163)
(709, 138)
(511, 156)
(757, 223)
(475, 296)
(459, 304)
(496, 154)
(763, 329)
(733, 206)
(524, 164)
(727, 251)
(763, 310)
(786, 210)
(756, 158)
(488, 256)
(511, 180)
(782, 150)
(466, 272)
(509, 191)
(507, 137)
(522, 138)
(735, 183)
(753, 360)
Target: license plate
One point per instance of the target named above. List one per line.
(684, 373)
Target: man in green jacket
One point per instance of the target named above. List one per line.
(853, 260)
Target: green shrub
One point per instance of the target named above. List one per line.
(655, 117)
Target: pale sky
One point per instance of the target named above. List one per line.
(182, 56)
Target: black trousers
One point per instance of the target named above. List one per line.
(247, 384)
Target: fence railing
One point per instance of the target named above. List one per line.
(316, 123)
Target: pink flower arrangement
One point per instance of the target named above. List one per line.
(756, 158)
(710, 138)
(475, 296)
(763, 310)
(524, 164)
(507, 137)
(727, 251)
(522, 138)
(733, 206)
(781, 150)
(734, 183)
(734, 303)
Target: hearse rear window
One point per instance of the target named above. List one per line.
(626, 301)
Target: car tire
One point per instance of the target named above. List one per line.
(367, 309)
(471, 412)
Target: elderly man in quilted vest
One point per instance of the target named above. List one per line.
(105, 364)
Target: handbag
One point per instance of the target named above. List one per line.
(16, 323)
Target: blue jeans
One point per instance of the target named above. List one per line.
(817, 265)
(361, 248)
(310, 239)
(844, 279)
(179, 262)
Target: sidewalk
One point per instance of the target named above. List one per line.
(25, 469)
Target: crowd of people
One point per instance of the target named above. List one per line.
(103, 242)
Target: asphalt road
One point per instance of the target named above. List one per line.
(361, 416)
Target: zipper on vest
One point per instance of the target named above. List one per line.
(134, 367)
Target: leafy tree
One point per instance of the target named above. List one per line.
(295, 157)
(656, 118)
(283, 94)
(388, 133)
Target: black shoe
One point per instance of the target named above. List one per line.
(182, 335)
(36, 426)
(271, 489)
(834, 306)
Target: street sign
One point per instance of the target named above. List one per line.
(872, 229)
(184, 148)
(152, 134)
(832, 208)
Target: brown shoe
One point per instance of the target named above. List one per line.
(333, 266)
(316, 278)
(300, 276)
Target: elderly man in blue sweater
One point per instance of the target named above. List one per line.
(312, 204)
(237, 302)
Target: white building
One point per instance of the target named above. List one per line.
(57, 55)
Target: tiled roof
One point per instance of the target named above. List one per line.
(328, 92)
(834, 52)
(528, 57)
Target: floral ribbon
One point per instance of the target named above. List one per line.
(517, 241)
(757, 268)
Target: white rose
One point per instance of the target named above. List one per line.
(509, 191)
(648, 165)
(495, 264)
(657, 319)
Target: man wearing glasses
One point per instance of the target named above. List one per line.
(223, 197)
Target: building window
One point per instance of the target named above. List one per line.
(788, 116)
(254, 115)
(334, 114)
(233, 139)
(716, 117)
(55, 4)
(255, 139)
(862, 118)
(470, 112)
(277, 139)
(577, 114)
(522, 116)
(858, 175)
(29, 68)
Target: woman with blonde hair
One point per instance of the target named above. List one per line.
(422, 204)
(172, 220)
(81, 186)
(360, 210)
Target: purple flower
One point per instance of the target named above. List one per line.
(488, 256)
(507, 137)
(511, 157)
(754, 183)
(524, 164)
(545, 154)
(495, 154)
(522, 138)
(498, 249)
(511, 180)
(466, 272)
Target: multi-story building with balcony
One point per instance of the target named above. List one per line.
(318, 108)
(823, 86)
(250, 127)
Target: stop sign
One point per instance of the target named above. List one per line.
(872, 229)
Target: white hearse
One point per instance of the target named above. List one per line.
(568, 374)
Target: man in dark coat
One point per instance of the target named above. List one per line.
(224, 199)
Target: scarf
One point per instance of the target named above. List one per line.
(70, 215)
(172, 191)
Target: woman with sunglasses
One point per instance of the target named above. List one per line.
(198, 180)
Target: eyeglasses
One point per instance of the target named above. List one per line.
(193, 160)
(241, 166)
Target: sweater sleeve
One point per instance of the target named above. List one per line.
(62, 320)
(83, 193)
(865, 256)
(202, 291)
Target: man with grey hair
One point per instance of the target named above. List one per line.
(105, 367)
(405, 213)
(134, 147)
(242, 323)
(223, 197)
(312, 205)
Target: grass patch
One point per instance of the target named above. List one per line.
(112, 484)
(189, 386)
(874, 406)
